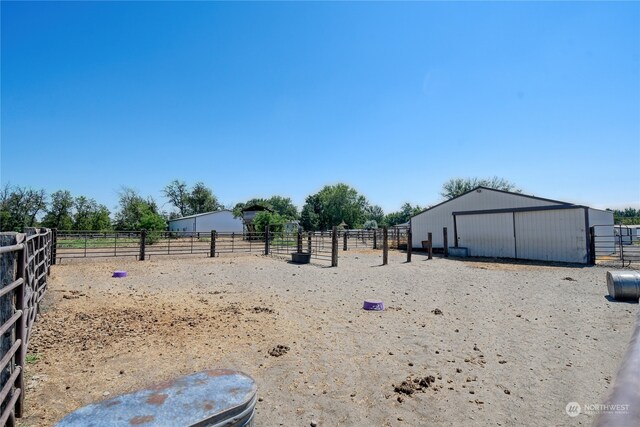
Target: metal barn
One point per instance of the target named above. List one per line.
(495, 223)
(221, 221)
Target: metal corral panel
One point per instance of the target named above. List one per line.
(437, 217)
(553, 235)
(487, 235)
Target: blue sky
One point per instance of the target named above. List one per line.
(257, 99)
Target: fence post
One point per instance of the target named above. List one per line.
(430, 248)
(54, 244)
(409, 245)
(397, 238)
(592, 246)
(334, 246)
(385, 246)
(445, 242)
(375, 239)
(309, 242)
(344, 237)
(7, 276)
(143, 243)
(266, 239)
(212, 252)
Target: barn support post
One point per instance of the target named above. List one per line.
(267, 237)
(430, 248)
(143, 242)
(409, 245)
(375, 239)
(334, 246)
(592, 246)
(385, 246)
(212, 251)
(344, 238)
(445, 242)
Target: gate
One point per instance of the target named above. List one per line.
(615, 245)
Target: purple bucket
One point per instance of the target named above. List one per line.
(370, 304)
(119, 273)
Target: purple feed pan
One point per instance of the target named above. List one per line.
(119, 274)
(370, 304)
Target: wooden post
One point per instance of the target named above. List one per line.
(334, 246)
(299, 242)
(266, 240)
(54, 245)
(212, 251)
(430, 248)
(409, 245)
(143, 243)
(385, 246)
(375, 239)
(309, 242)
(397, 238)
(344, 245)
(445, 242)
(7, 309)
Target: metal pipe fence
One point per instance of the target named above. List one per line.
(25, 261)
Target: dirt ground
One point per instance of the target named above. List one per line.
(459, 343)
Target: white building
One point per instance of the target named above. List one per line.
(221, 221)
(495, 223)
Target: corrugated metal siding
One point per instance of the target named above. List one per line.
(441, 216)
(221, 221)
(555, 235)
(489, 235)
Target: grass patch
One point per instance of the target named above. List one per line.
(32, 358)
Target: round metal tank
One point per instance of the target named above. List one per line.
(624, 285)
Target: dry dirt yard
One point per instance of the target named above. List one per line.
(460, 342)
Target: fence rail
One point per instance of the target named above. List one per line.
(25, 261)
(145, 244)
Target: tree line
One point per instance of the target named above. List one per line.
(333, 205)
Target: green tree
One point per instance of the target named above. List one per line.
(272, 219)
(283, 206)
(628, 216)
(333, 205)
(133, 208)
(310, 217)
(60, 212)
(20, 206)
(201, 200)
(374, 213)
(457, 186)
(403, 215)
(178, 194)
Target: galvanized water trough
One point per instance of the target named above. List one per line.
(213, 398)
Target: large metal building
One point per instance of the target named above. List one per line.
(495, 223)
(221, 221)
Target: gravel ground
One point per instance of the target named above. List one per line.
(460, 342)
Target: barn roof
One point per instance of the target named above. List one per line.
(492, 189)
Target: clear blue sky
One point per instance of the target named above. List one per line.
(256, 99)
